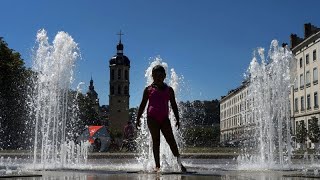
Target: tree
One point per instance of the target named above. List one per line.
(88, 113)
(201, 112)
(133, 114)
(14, 83)
(202, 136)
(314, 131)
(301, 133)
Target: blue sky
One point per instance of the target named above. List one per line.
(209, 42)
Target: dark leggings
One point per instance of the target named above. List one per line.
(166, 130)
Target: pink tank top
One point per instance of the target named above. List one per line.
(158, 107)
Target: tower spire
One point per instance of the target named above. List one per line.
(120, 45)
(120, 34)
(91, 87)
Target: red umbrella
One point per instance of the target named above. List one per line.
(92, 131)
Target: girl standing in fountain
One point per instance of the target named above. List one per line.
(159, 94)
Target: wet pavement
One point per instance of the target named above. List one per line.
(129, 168)
(138, 175)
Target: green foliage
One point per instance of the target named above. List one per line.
(302, 133)
(314, 131)
(133, 114)
(14, 83)
(202, 136)
(89, 115)
(202, 119)
(200, 112)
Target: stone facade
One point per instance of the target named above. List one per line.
(235, 115)
(305, 92)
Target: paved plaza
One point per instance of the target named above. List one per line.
(127, 167)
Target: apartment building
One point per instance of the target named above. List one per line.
(235, 119)
(304, 96)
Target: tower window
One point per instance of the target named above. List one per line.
(119, 73)
(119, 89)
(112, 74)
(126, 75)
(126, 91)
(112, 90)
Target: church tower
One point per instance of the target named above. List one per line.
(93, 95)
(119, 91)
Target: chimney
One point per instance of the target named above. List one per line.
(284, 45)
(310, 29)
(307, 30)
(294, 40)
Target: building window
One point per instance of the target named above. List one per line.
(308, 78)
(296, 84)
(290, 109)
(316, 105)
(301, 81)
(119, 73)
(301, 62)
(308, 102)
(302, 103)
(307, 59)
(315, 75)
(296, 109)
(314, 55)
(112, 74)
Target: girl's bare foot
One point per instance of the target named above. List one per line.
(157, 170)
(183, 169)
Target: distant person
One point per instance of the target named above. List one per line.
(129, 130)
(159, 94)
(128, 137)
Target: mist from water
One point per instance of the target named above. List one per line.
(270, 80)
(52, 103)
